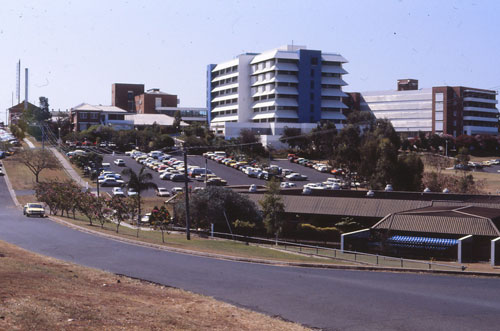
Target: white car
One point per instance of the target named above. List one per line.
(111, 182)
(117, 191)
(131, 192)
(119, 162)
(163, 192)
(296, 176)
(252, 188)
(287, 185)
(177, 189)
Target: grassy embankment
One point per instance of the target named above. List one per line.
(41, 293)
(489, 182)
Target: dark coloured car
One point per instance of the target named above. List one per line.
(178, 178)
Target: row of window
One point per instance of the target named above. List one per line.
(479, 104)
(225, 71)
(225, 81)
(480, 114)
(479, 95)
(225, 102)
(481, 123)
(277, 120)
(93, 116)
(223, 92)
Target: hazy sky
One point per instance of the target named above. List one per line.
(75, 50)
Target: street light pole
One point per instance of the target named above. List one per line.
(186, 193)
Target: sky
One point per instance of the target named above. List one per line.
(75, 50)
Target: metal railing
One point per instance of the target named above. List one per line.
(336, 254)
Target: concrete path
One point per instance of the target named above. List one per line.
(68, 168)
(29, 143)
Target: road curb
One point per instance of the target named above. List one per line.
(271, 262)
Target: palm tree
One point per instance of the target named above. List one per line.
(139, 182)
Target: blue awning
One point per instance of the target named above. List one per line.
(422, 242)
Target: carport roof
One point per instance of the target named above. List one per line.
(462, 220)
(365, 207)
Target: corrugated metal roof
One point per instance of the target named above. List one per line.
(301, 204)
(439, 224)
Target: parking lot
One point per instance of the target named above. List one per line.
(231, 175)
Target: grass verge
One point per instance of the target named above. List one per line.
(198, 244)
(22, 178)
(41, 293)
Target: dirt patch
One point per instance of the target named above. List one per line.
(40, 293)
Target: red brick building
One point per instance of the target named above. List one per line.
(132, 98)
(149, 102)
(123, 95)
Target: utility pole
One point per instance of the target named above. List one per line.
(186, 193)
(206, 173)
(43, 141)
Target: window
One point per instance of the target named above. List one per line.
(312, 96)
(312, 108)
(314, 60)
(83, 115)
(312, 83)
(312, 72)
(93, 116)
(157, 102)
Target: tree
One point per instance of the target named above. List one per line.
(120, 209)
(42, 114)
(409, 172)
(163, 141)
(294, 138)
(37, 160)
(177, 121)
(101, 210)
(85, 205)
(323, 139)
(272, 209)
(17, 131)
(214, 204)
(346, 153)
(160, 220)
(140, 182)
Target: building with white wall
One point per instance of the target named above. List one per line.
(453, 110)
(287, 86)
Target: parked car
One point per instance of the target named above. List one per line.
(296, 176)
(111, 182)
(145, 218)
(31, 209)
(252, 188)
(178, 178)
(287, 185)
(163, 192)
(131, 192)
(176, 190)
(117, 191)
(119, 162)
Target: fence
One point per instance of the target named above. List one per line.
(337, 254)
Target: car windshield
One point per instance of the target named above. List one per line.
(35, 205)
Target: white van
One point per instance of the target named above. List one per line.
(219, 153)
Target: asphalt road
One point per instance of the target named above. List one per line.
(322, 298)
(232, 176)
